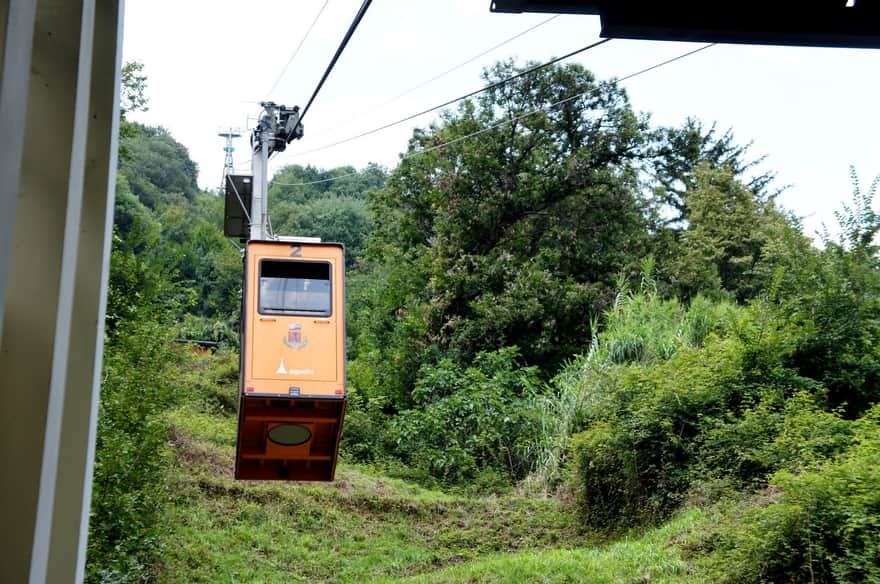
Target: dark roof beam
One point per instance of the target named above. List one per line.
(830, 23)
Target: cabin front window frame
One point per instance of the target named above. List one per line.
(301, 284)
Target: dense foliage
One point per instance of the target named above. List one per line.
(519, 239)
(816, 522)
(508, 239)
(546, 295)
(131, 457)
(747, 357)
(329, 204)
(755, 407)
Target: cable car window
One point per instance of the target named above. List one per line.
(293, 287)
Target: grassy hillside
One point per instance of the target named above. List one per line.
(366, 527)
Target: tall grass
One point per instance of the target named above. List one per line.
(639, 329)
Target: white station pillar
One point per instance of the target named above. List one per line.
(59, 95)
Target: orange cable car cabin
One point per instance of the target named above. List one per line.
(292, 398)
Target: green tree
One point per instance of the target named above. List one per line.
(728, 227)
(128, 210)
(168, 261)
(158, 168)
(132, 98)
(130, 460)
(330, 204)
(514, 237)
(678, 153)
(835, 296)
(132, 92)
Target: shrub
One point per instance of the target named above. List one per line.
(474, 423)
(129, 488)
(838, 307)
(772, 434)
(834, 296)
(822, 525)
(364, 435)
(640, 329)
(633, 459)
(139, 379)
(806, 436)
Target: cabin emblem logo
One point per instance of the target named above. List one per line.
(294, 338)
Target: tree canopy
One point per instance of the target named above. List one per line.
(512, 237)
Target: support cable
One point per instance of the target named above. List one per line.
(342, 45)
(443, 74)
(298, 47)
(511, 120)
(452, 101)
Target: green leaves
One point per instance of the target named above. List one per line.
(131, 458)
(858, 220)
(819, 524)
(330, 204)
(133, 85)
(723, 247)
(158, 168)
(472, 421)
(510, 239)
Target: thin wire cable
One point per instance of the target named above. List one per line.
(315, 182)
(342, 45)
(558, 103)
(441, 75)
(298, 47)
(235, 245)
(511, 120)
(666, 62)
(452, 101)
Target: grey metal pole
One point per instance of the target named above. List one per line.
(277, 127)
(264, 184)
(259, 204)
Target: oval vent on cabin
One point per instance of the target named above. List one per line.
(290, 435)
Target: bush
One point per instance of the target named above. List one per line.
(806, 436)
(661, 425)
(473, 425)
(364, 435)
(633, 459)
(639, 330)
(822, 525)
(834, 296)
(139, 378)
(838, 306)
(201, 328)
(131, 458)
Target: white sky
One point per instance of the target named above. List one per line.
(812, 111)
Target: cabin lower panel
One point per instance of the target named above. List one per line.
(259, 457)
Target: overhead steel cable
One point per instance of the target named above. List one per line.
(556, 104)
(342, 45)
(298, 47)
(512, 120)
(444, 73)
(457, 99)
